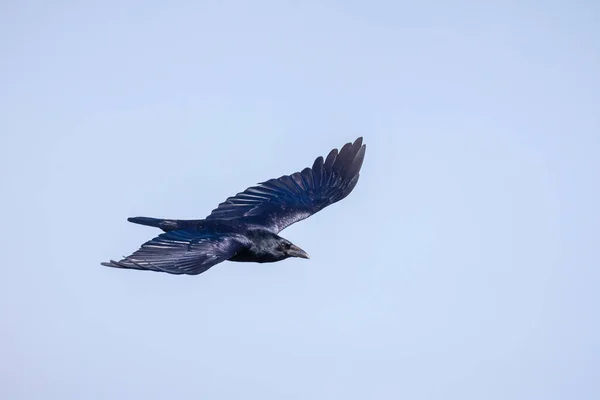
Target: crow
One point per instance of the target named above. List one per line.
(245, 227)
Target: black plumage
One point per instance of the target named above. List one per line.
(245, 227)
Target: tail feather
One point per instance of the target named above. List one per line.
(166, 224)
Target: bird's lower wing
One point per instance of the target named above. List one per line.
(278, 203)
(180, 252)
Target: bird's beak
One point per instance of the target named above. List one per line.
(296, 251)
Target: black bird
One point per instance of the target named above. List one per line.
(245, 227)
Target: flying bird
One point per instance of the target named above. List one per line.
(246, 227)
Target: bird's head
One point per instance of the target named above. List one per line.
(282, 248)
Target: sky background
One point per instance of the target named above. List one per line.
(465, 264)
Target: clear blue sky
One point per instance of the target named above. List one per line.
(465, 265)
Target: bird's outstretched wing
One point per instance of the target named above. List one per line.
(278, 203)
(189, 252)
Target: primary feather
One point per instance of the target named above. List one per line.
(278, 203)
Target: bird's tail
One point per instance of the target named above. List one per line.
(166, 224)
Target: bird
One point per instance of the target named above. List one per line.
(246, 226)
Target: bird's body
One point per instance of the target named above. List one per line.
(245, 227)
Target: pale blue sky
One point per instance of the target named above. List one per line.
(463, 266)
